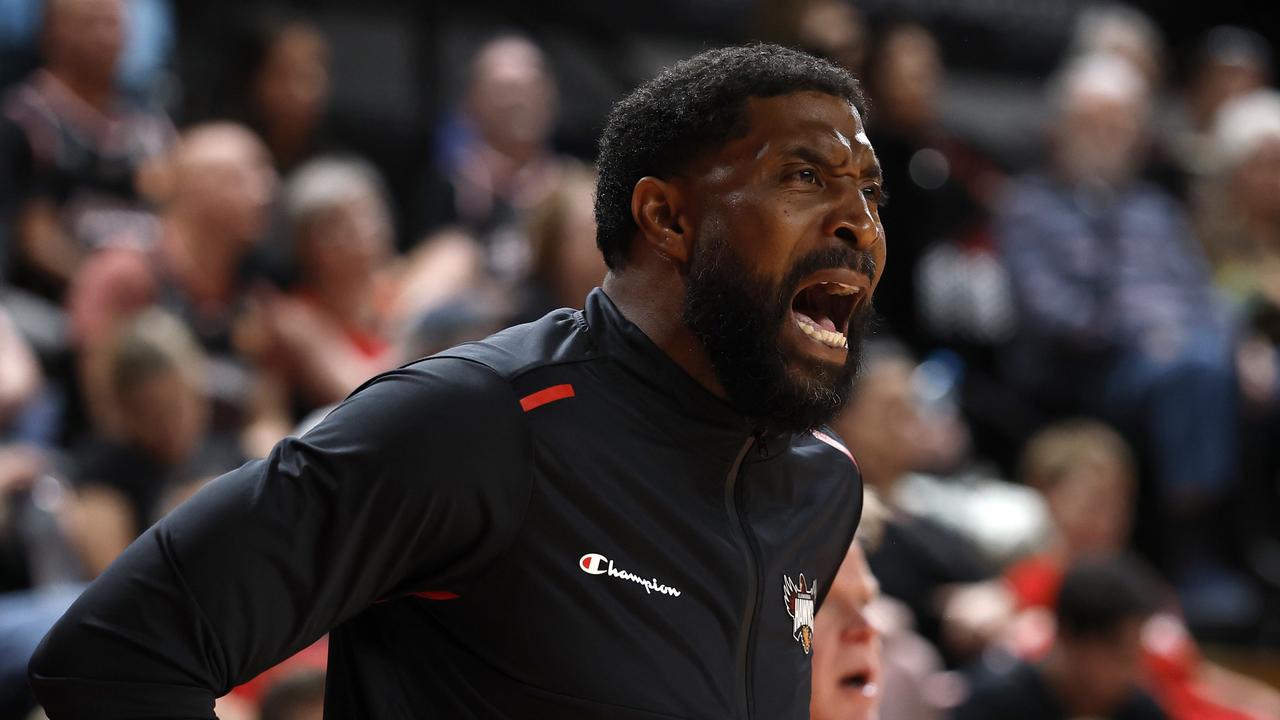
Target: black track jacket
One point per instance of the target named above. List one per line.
(556, 522)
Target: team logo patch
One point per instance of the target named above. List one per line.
(798, 597)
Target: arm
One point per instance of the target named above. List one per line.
(392, 493)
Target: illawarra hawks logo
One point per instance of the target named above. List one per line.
(799, 600)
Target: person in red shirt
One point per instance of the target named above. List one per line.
(1086, 472)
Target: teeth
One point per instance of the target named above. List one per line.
(826, 337)
(835, 288)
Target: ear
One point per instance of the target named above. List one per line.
(657, 208)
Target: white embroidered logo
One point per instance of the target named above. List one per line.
(799, 601)
(597, 564)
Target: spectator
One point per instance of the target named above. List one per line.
(330, 333)
(287, 84)
(1231, 62)
(939, 187)
(1086, 472)
(933, 569)
(1095, 664)
(1118, 315)
(1241, 221)
(832, 29)
(157, 385)
(217, 186)
(562, 230)
(1240, 217)
(497, 158)
(90, 147)
(847, 652)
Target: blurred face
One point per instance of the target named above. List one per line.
(882, 422)
(166, 417)
(226, 182)
(348, 245)
(512, 97)
(1257, 183)
(1100, 138)
(910, 78)
(87, 36)
(835, 30)
(1105, 669)
(787, 251)
(846, 647)
(291, 88)
(1091, 508)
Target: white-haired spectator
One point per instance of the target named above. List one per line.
(1239, 220)
(1119, 318)
(319, 342)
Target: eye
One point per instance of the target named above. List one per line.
(808, 176)
(876, 195)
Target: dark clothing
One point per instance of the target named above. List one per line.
(1023, 694)
(84, 161)
(142, 480)
(554, 522)
(918, 557)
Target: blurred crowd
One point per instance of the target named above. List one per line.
(1077, 360)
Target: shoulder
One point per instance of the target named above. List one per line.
(559, 337)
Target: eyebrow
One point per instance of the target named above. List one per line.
(808, 154)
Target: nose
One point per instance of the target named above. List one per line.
(855, 222)
(859, 628)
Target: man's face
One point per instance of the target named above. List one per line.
(227, 182)
(89, 34)
(788, 248)
(1102, 138)
(846, 647)
(882, 423)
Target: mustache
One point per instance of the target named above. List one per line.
(843, 256)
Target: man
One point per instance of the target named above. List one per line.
(1119, 318)
(496, 161)
(847, 648)
(625, 512)
(89, 148)
(1093, 669)
(217, 185)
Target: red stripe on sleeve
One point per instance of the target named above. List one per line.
(438, 595)
(548, 395)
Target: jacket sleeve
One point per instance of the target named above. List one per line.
(418, 480)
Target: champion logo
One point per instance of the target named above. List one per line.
(597, 564)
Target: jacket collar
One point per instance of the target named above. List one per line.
(627, 345)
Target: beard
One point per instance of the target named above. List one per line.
(739, 318)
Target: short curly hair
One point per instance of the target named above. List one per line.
(690, 109)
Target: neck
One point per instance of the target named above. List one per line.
(650, 293)
(95, 94)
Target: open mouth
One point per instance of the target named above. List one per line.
(823, 307)
(860, 682)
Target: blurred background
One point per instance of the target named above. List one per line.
(218, 219)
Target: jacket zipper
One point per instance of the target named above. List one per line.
(739, 525)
